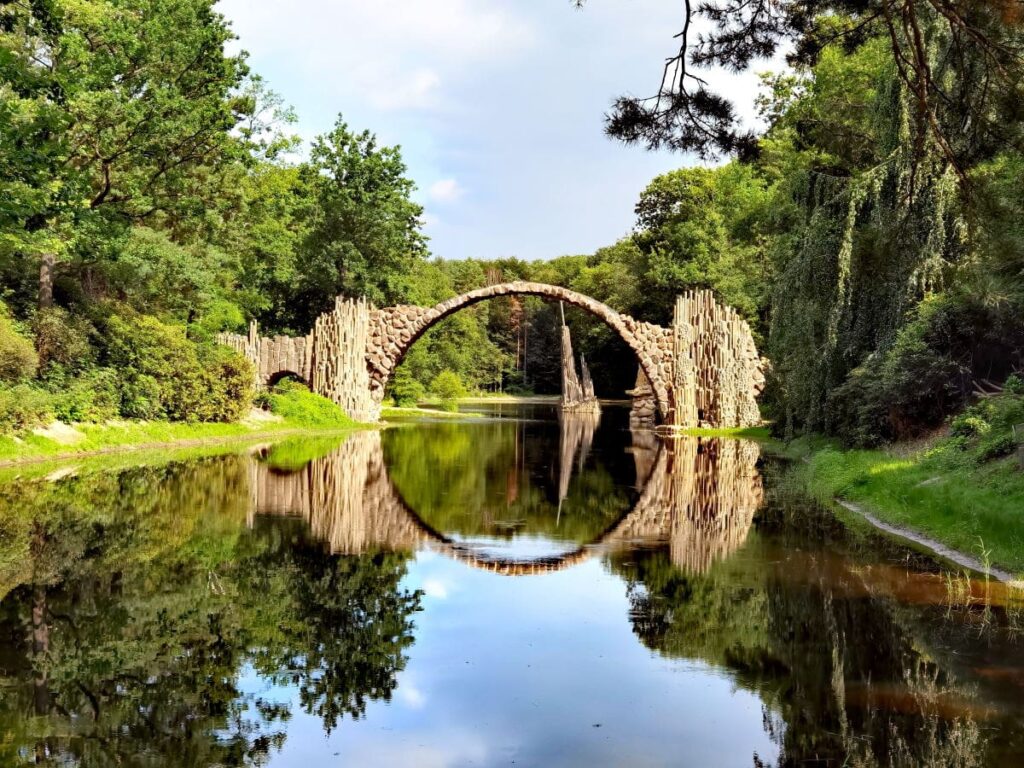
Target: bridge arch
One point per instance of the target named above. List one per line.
(703, 371)
(394, 330)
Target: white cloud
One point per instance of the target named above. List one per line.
(435, 588)
(412, 696)
(393, 53)
(445, 191)
(415, 91)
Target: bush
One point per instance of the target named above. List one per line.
(164, 375)
(94, 397)
(62, 340)
(449, 388)
(928, 372)
(293, 401)
(1014, 384)
(969, 424)
(405, 390)
(997, 447)
(18, 359)
(23, 407)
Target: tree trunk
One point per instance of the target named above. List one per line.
(46, 265)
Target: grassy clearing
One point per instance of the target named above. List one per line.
(297, 409)
(956, 489)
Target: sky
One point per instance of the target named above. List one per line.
(497, 105)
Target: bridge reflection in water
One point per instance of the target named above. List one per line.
(698, 494)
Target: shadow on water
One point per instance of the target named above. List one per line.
(198, 613)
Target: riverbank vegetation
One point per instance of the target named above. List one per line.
(964, 488)
(288, 408)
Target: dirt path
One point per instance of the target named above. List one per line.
(936, 547)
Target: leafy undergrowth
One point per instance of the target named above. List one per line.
(965, 489)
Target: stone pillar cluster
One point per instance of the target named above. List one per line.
(718, 373)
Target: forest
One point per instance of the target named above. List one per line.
(153, 193)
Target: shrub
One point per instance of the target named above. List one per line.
(23, 407)
(997, 447)
(18, 359)
(449, 388)
(1014, 384)
(406, 391)
(969, 424)
(62, 339)
(94, 397)
(165, 375)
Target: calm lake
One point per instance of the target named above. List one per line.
(516, 589)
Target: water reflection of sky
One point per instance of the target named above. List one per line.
(539, 670)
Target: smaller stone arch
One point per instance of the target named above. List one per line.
(285, 373)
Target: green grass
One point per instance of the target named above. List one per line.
(949, 490)
(299, 409)
(749, 433)
(428, 412)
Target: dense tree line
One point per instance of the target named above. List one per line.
(870, 233)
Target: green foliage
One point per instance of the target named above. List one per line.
(293, 401)
(18, 359)
(449, 388)
(364, 232)
(406, 391)
(164, 375)
(94, 397)
(1014, 384)
(63, 341)
(997, 447)
(22, 407)
(969, 425)
(700, 228)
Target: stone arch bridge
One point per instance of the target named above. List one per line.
(704, 370)
(698, 494)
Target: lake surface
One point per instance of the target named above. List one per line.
(509, 590)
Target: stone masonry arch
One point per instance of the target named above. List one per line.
(703, 371)
(394, 330)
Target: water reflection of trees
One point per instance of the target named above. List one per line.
(842, 678)
(498, 479)
(140, 598)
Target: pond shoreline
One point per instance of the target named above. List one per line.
(198, 441)
(932, 546)
(965, 512)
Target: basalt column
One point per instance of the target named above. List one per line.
(339, 358)
(717, 372)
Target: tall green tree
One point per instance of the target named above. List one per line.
(365, 231)
(113, 113)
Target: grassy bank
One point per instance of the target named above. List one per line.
(290, 409)
(964, 489)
